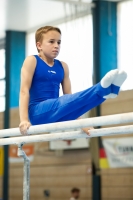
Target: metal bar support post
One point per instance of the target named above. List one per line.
(26, 171)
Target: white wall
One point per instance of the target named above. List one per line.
(125, 41)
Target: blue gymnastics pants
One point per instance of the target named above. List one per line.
(69, 106)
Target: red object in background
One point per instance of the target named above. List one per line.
(102, 153)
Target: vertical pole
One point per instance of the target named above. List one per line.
(14, 56)
(26, 182)
(6, 115)
(26, 179)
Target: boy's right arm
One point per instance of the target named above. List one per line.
(27, 73)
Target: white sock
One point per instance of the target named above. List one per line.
(111, 95)
(108, 79)
(121, 77)
(118, 81)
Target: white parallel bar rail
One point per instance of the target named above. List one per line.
(95, 121)
(67, 135)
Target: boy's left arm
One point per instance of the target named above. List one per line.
(66, 83)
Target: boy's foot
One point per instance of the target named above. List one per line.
(114, 79)
(120, 78)
(108, 79)
(118, 81)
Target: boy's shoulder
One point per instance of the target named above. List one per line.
(31, 57)
(29, 60)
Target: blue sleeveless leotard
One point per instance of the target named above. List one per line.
(46, 81)
(45, 105)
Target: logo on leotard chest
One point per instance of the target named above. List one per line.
(50, 71)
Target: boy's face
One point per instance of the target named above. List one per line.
(50, 45)
(76, 195)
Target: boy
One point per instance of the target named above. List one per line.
(41, 76)
(75, 193)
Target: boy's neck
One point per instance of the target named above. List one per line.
(49, 61)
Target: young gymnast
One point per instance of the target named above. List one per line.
(41, 76)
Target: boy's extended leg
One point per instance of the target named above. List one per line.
(71, 106)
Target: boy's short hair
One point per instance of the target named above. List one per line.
(73, 190)
(39, 33)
